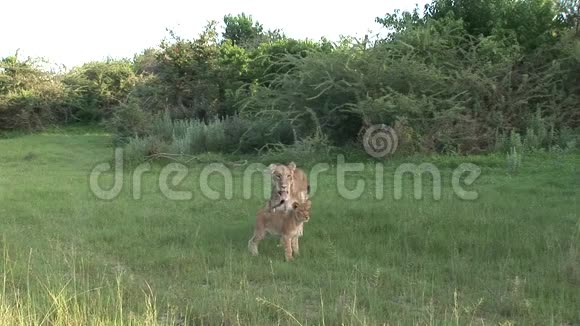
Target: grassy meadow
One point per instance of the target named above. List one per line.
(510, 257)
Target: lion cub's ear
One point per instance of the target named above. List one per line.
(292, 166)
(295, 205)
(271, 168)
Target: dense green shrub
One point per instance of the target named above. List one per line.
(455, 89)
(100, 86)
(31, 98)
(463, 77)
(129, 120)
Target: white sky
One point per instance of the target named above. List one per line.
(73, 32)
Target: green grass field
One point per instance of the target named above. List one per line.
(510, 257)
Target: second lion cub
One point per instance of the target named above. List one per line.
(284, 224)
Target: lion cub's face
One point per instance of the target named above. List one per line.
(302, 211)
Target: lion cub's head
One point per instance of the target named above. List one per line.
(302, 211)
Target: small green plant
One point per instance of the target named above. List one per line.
(163, 127)
(538, 136)
(506, 142)
(532, 140)
(182, 146)
(215, 137)
(136, 149)
(197, 133)
(500, 141)
(182, 128)
(568, 138)
(515, 141)
(514, 161)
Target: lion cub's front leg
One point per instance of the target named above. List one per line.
(288, 247)
(295, 246)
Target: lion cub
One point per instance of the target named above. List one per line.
(284, 224)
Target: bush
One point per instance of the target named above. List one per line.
(234, 128)
(215, 138)
(465, 77)
(454, 89)
(130, 121)
(140, 148)
(163, 127)
(100, 87)
(194, 137)
(262, 132)
(30, 98)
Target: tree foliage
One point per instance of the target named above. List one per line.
(99, 86)
(241, 30)
(458, 76)
(30, 98)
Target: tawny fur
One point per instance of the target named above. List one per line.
(289, 184)
(285, 224)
